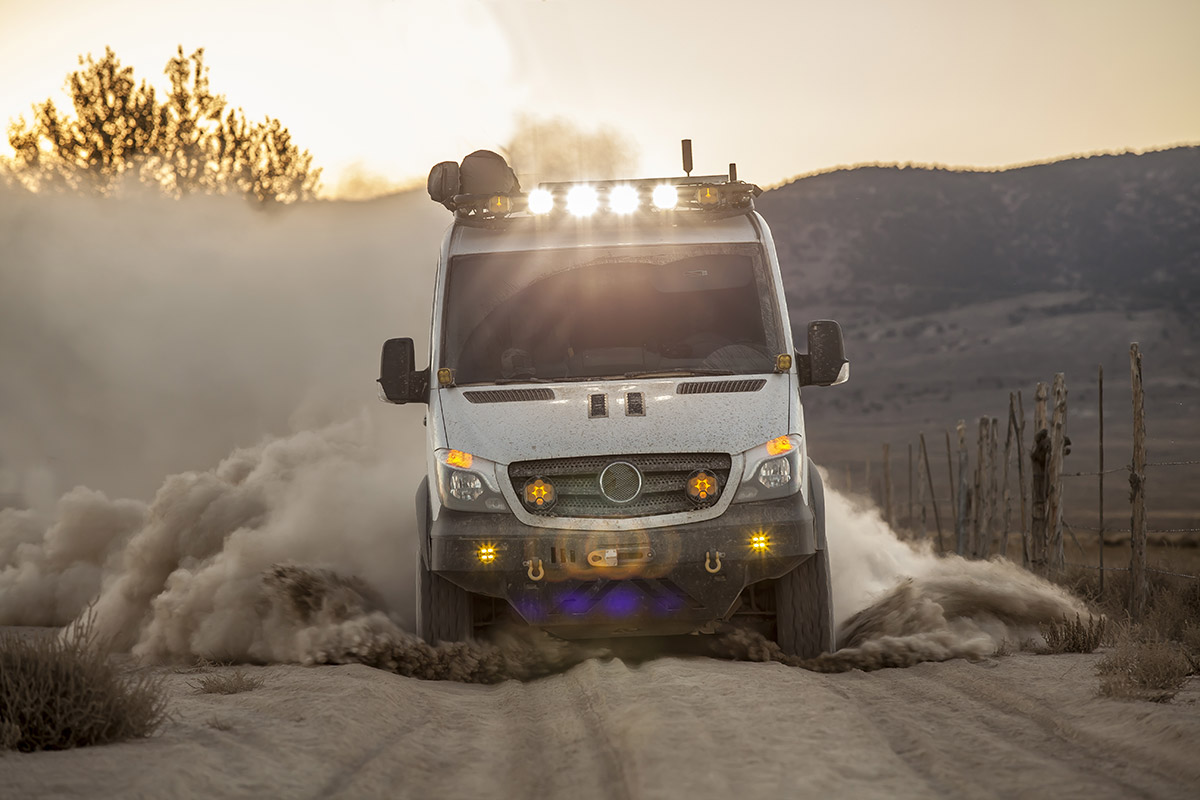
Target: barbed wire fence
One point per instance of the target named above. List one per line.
(982, 503)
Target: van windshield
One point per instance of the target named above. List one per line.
(558, 315)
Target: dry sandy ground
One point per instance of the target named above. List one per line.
(1019, 726)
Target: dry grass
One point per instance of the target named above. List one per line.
(1173, 603)
(227, 683)
(1074, 636)
(1152, 660)
(61, 692)
(1141, 668)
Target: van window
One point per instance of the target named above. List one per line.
(581, 314)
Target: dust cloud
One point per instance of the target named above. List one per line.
(559, 150)
(143, 337)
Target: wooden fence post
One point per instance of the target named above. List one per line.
(1100, 415)
(1008, 440)
(1038, 456)
(923, 530)
(910, 488)
(1039, 408)
(1137, 492)
(1026, 536)
(937, 519)
(960, 519)
(887, 485)
(1054, 477)
(993, 494)
(983, 523)
(950, 472)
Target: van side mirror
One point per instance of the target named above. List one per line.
(397, 378)
(825, 362)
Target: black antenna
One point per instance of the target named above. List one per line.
(687, 157)
(733, 173)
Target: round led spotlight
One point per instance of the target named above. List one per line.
(582, 201)
(665, 197)
(539, 494)
(703, 488)
(623, 200)
(540, 202)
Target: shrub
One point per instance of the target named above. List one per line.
(227, 683)
(1073, 636)
(59, 692)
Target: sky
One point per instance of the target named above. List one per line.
(379, 90)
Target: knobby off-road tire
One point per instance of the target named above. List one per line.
(443, 609)
(804, 608)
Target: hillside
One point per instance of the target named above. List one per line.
(905, 241)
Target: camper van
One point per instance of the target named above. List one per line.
(616, 441)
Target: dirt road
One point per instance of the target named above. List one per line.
(1023, 725)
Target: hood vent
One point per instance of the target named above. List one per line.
(508, 395)
(597, 406)
(635, 404)
(720, 387)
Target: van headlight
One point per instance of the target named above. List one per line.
(772, 470)
(467, 482)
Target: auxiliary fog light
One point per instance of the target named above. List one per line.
(702, 488)
(665, 196)
(539, 494)
(487, 554)
(760, 542)
(540, 202)
(623, 200)
(582, 201)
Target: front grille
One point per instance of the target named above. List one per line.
(580, 493)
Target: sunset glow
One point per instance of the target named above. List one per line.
(378, 91)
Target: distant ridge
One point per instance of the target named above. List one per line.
(903, 241)
(938, 166)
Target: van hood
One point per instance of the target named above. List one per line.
(533, 421)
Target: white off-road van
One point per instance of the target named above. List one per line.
(616, 443)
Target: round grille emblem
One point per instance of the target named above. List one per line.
(620, 482)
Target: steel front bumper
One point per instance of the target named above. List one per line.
(660, 580)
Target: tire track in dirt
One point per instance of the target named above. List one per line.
(955, 724)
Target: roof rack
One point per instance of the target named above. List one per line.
(664, 199)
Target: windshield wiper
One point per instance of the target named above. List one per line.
(676, 373)
(503, 381)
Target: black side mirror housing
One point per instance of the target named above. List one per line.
(825, 362)
(397, 378)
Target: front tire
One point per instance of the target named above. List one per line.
(443, 608)
(804, 608)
